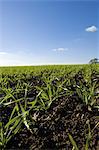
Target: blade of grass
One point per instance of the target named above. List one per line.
(73, 142)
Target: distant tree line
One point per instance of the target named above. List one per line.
(94, 61)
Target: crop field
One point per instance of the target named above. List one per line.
(54, 107)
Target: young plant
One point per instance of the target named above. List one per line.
(49, 93)
(88, 137)
(87, 92)
(10, 129)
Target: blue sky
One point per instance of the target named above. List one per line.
(48, 32)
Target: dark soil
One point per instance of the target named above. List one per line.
(51, 127)
(67, 114)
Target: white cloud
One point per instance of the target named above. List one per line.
(60, 49)
(3, 53)
(91, 29)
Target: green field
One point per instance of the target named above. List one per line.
(49, 107)
(38, 69)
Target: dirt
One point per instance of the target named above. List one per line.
(50, 128)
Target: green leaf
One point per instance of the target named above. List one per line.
(49, 91)
(44, 95)
(9, 103)
(15, 124)
(73, 142)
(88, 137)
(18, 127)
(12, 121)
